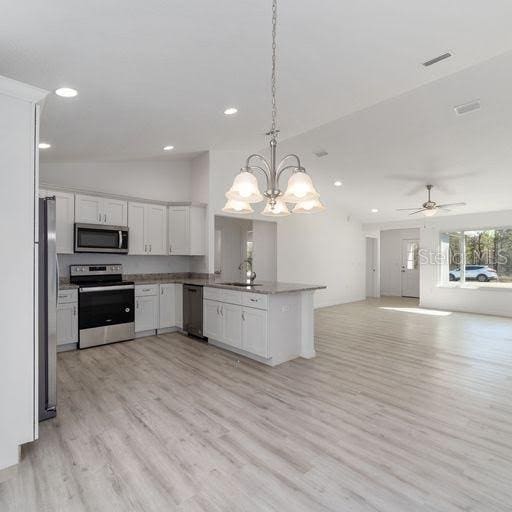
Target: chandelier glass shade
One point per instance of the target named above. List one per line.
(278, 209)
(233, 206)
(245, 188)
(309, 206)
(300, 189)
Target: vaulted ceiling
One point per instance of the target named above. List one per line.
(162, 72)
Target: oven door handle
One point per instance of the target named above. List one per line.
(106, 288)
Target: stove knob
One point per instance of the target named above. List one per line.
(126, 310)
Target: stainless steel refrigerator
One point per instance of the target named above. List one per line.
(48, 291)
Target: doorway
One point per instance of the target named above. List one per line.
(371, 267)
(410, 268)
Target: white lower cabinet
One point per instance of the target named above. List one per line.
(212, 321)
(146, 308)
(67, 318)
(167, 316)
(158, 307)
(255, 332)
(240, 327)
(232, 325)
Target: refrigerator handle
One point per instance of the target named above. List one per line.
(57, 278)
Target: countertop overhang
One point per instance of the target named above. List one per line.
(264, 287)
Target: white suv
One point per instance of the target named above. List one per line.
(481, 273)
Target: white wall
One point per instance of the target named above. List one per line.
(391, 259)
(326, 248)
(264, 258)
(160, 181)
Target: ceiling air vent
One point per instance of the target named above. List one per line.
(320, 153)
(467, 107)
(435, 60)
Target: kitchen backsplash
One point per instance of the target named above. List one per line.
(131, 264)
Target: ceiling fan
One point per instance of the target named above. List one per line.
(430, 208)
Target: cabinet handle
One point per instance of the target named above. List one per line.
(149, 247)
(146, 289)
(145, 248)
(170, 249)
(99, 217)
(243, 315)
(74, 310)
(253, 300)
(218, 312)
(137, 304)
(222, 311)
(105, 218)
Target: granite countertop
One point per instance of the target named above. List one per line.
(263, 287)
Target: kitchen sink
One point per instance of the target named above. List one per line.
(245, 285)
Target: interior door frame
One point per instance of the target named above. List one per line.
(374, 274)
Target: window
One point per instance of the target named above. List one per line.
(412, 254)
(479, 256)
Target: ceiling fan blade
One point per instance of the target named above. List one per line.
(406, 209)
(418, 211)
(451, 204)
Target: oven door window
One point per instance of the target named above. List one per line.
(90, 238)
(111, 307)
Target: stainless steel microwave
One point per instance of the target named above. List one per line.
(99, 238)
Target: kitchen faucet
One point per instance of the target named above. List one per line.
(250, 275)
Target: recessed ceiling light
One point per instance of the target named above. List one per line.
(338, 183)
(66, 92)
(230, 111)
(374, 210)
(44, 145)
(168, 148)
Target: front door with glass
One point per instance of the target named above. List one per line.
(410, 268)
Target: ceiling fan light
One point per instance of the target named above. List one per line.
(233, 206)
(430, 212)
(300, 188)
(310, 206)
(245, 188)
(278, 209)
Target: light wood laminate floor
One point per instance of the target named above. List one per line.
(400, 411)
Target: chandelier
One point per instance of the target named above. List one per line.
(300, 191)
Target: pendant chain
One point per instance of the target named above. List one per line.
(273, 130)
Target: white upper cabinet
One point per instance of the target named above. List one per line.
(147, 224)
(100, 210)
(115, 211)
(187, 230)
(88, 209)
(136, 243)
(156, 229)
(65, 212)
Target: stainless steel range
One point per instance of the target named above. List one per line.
(105, 304)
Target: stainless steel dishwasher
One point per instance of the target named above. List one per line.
(193, 310)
